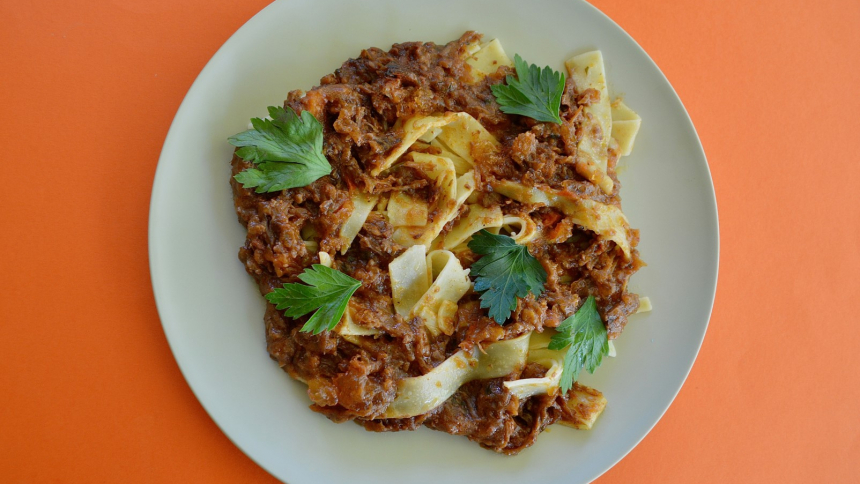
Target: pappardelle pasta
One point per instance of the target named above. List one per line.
(438, 232)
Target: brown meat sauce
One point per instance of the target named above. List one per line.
(356, 379)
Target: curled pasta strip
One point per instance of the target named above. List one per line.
(522, 229)
(478, 218)
(606, 220)
(461, 166)
(309, 236)
(428, 287)
(413, 129)
(584, 404)
(451, 193)
(540, 354)
(420, 394)
(438, 304)
(409, 279)
(454, 132)
(454, 135)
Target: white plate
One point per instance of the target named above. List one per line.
(212, 311)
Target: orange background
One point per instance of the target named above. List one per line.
(90, 392)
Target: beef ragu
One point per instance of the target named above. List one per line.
(363, 107)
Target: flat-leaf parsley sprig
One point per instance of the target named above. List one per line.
(585, 338)
(328, 293)
(287, 151)
(535, 92)
(505, 272)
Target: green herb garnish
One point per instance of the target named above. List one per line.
(328, 294)
(287, 150)
(505, 272)
(585, 337)
(534, 92)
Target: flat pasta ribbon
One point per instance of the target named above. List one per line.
(583, 405)
(420, 394)
(625, 126)
(452, 192)
(587, 71)
(487, 59)
(608, 221)
(428, 287)
(413, 129)
(362, 204)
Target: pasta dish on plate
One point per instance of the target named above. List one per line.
(437, 230)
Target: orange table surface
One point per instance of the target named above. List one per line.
(90, 392)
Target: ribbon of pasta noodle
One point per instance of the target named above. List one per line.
(362, 204)
(587, 71)
(452, 192)
(420, 394)
(428, 287)
(608, 221)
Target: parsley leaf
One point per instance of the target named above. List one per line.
(272, 177)
(328, 294)
(505, 272)
(534, 93)
(287, 150)
(586, 340)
